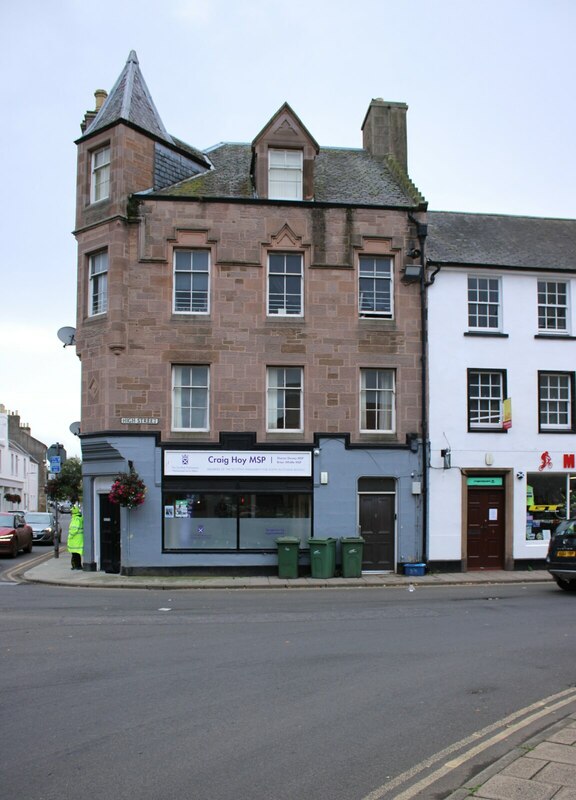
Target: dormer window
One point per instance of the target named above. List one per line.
(285, 174)
(283, 159)
(100, 175)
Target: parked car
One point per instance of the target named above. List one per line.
(65, 507)
(561, 558)
(43, 524)
(15, 534)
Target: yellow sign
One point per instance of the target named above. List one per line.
(544, 508)
(507, 413)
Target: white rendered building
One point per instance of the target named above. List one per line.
(502, 361)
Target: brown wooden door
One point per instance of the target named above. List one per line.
(377, 524)
(486, 528)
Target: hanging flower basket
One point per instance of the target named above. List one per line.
(128, 490)
(12, 498)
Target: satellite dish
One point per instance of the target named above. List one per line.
(67, 335)
(75, 428)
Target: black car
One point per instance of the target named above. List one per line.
(561, 558)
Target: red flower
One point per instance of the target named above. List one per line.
(128, 490)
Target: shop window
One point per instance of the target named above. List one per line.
(546, 506)
(234, 521)
(264, 517)
(199, 521)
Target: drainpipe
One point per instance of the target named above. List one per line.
(421, 233)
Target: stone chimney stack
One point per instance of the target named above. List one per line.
(100, 96)
(384, 131)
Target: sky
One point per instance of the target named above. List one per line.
(491, 123)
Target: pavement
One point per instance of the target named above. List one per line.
(57, 571)
(542, 767)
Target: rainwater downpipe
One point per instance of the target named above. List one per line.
(421, 233)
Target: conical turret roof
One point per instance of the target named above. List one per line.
(130, 101)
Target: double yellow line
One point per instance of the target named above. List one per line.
(491, 735)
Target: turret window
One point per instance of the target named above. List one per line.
(100, 175)
(98, 285)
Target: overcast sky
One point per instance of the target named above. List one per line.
(491, 122)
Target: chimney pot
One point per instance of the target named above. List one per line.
(100, 95)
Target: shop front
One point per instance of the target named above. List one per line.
(235, 501)
(500, 518)
(224, 508)
(550, 495)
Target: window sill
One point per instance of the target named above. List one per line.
(284, 431)
(554, 336)
(487, 334)
(556, 431)
(285, 318)
(487, 430)
(181, 431)
(100, 202)
(190, 314)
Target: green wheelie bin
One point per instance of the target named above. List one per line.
(352, 548)
(288, 547)
(322, 557)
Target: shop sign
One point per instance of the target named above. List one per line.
(568, 461)
(484, 481)
(250, 463)
(507, 414)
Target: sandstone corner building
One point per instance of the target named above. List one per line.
(250, 338)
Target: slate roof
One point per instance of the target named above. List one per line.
(501, 241)
(229, 178)
(341, 176)
(130, 101)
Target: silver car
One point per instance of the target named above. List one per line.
(43, 524)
